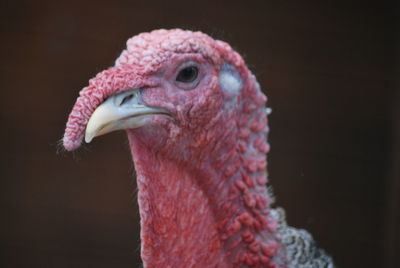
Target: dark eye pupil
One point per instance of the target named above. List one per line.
(188, 74)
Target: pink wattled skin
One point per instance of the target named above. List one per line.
(202, 170)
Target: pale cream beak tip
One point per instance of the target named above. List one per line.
(110, 117)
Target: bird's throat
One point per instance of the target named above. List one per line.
(178, 225)
(213, 213)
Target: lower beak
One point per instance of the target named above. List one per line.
(121, 111)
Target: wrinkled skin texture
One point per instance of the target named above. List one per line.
(202, 168)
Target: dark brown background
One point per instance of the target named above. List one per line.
(330, 71)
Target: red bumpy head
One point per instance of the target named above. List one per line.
(151, 61)
(195, 105)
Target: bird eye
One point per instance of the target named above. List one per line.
(188, 74)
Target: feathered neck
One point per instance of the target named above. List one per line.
(211, 210)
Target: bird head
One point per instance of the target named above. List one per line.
(196, 116)
(185, 97)
(168, 89)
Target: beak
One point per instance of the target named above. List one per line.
(121, 111)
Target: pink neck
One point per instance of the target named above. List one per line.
(178, 228)
(212, 213)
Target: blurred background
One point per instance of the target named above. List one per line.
(329, 68)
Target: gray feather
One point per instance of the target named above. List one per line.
(301, 250)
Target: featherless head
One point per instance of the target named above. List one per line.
(197, 124)
(174, 83)
(196, 116)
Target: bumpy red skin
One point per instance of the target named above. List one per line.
(201, 171)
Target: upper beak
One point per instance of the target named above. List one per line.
(121, 111)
